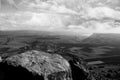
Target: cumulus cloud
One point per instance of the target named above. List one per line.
(34, 21)
(102, 12)
(93, 16)
(96, 27)
(45, 20)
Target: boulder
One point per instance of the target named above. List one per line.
(50, 66)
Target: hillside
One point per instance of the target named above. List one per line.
(103, 39)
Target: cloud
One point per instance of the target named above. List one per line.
(96, 27)
(63, 15)
(102, 12)
(45, 20)
(34, 21)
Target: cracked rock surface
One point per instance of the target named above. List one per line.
(45, 64)
(50, 66)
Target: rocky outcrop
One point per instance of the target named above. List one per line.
(41, 63)
(51, 66)
(79, 69)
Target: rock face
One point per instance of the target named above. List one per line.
(79, 70)
(50, 66)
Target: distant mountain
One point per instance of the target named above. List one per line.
(103, 38)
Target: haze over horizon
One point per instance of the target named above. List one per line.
(75, 16)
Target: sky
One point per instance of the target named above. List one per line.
(75, 16)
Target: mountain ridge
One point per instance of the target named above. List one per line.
(103, 38)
